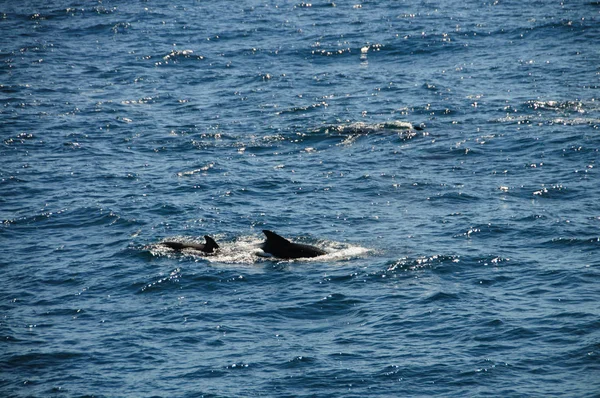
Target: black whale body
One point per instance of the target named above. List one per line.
(280, 247)
(209, 247)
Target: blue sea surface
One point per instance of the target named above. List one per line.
(444, 153)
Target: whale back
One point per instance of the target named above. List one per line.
(280, 247)
(208, 247)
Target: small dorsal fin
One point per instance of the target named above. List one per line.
(210, 244)
(274, 237)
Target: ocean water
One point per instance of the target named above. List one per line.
(445, 154)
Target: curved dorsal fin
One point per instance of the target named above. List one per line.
(210, 244)
(272, 236)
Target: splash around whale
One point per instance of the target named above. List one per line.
(253, 250)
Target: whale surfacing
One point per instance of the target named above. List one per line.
(280, 247)
(209, 247)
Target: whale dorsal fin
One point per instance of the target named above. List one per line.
(273, 237)
(210, 244)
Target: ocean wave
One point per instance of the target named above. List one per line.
(167, 281)
(589, 243)
(367, 128)
(423, 262)
(66, 218)
(553, 112)
(177, 56)
(332, 305)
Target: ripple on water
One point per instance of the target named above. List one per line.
(462, 254)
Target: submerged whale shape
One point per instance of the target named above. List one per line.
(208, 247)
(280, 247)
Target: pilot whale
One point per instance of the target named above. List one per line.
(280, 247)
(208, 247)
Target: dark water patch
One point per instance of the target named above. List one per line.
(331, 305)
(68, 219)
(303, 109)
(441, 297)
(61, 312)
(207, 373)
(536, 291)
(7, 88)
(572, 328)
(41, 360)
(212, 281)
(300, 362)
(347, 277)
(326, 382)
(533, 218)
(484, 231)
(584, 355)
(508, 334)
(216, 343)
(416, 45)
(453, 197)
(494, 323)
